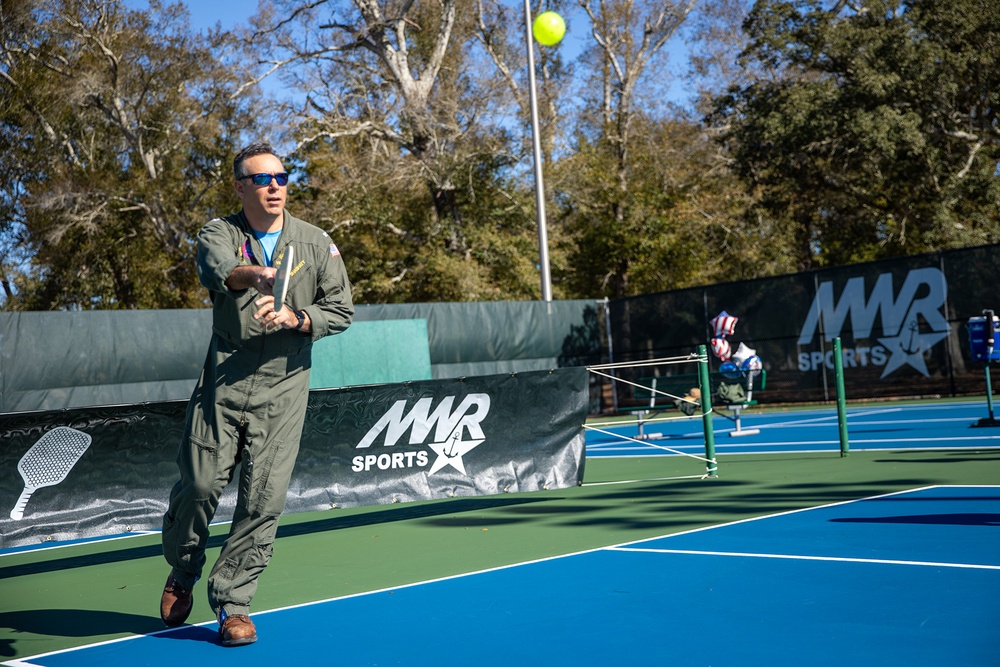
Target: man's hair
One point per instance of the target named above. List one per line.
(258, 148)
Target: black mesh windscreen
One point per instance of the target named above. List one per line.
(901, 322)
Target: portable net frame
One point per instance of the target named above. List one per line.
(701, 358)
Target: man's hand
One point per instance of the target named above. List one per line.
(283, 319)
(259, 277)
(262, 278)
(271, 320)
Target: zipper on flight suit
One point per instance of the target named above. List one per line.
(250, 390)
(260, 361)
(245, 453)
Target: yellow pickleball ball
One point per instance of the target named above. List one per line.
(548, 28)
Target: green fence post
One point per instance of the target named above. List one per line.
(838, 365)
(989, 391)
(711, 466)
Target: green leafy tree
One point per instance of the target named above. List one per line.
(405, 139)
(619, 208)
(122, 125)
(364, 198)
(676, 229)
(878, 135)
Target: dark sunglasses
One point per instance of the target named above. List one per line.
(265, 179)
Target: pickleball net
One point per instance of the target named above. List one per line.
(702, 408)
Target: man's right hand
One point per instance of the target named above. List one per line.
(259, 277)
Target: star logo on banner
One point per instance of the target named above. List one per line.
(451, 451)
(909, 347)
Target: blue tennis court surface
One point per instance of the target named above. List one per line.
(937, 426)
(910, 578)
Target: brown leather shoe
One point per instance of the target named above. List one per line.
(237, 630)
(175, 603)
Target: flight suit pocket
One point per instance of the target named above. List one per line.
(263, 549)
(198, 461)
(262, 487)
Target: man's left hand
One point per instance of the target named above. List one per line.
(271, 320)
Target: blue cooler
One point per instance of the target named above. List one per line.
(977, 339)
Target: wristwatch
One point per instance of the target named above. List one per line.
(302, 319)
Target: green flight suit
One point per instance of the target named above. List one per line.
(249, 405)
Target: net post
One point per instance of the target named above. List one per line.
(989, 390)
(988, 314)
(838, 366)
(712, 466)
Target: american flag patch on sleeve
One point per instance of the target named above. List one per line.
(333, 250)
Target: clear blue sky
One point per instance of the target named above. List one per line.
(207, 13)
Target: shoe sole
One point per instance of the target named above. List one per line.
(176, 623)
(243, 641)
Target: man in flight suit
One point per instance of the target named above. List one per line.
(249, 405)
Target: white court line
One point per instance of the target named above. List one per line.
(825, 419)
(630, 545)
(867, 450)
(852, 419)
(25, 662)
(942, 406)
(880, 561)
(861, 441)
(832, 417)
(32, 549)
(777, 446)
(852, 415)
(640, 481)
(963, 438)
(647, 443)
(787, 443)
(809, 509)
(923, 420)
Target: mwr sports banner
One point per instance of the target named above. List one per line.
(86, 472)
(902, 324)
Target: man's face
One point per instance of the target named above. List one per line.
(261, 200)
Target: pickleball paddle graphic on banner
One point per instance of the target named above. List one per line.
(48, 462)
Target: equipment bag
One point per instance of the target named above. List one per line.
(732, 392)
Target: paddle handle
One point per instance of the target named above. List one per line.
(22, 502)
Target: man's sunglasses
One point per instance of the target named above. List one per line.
(265, 179)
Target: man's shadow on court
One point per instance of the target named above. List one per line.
(91, 623)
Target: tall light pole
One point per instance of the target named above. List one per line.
(543, 237)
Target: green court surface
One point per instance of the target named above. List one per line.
(84, 593)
